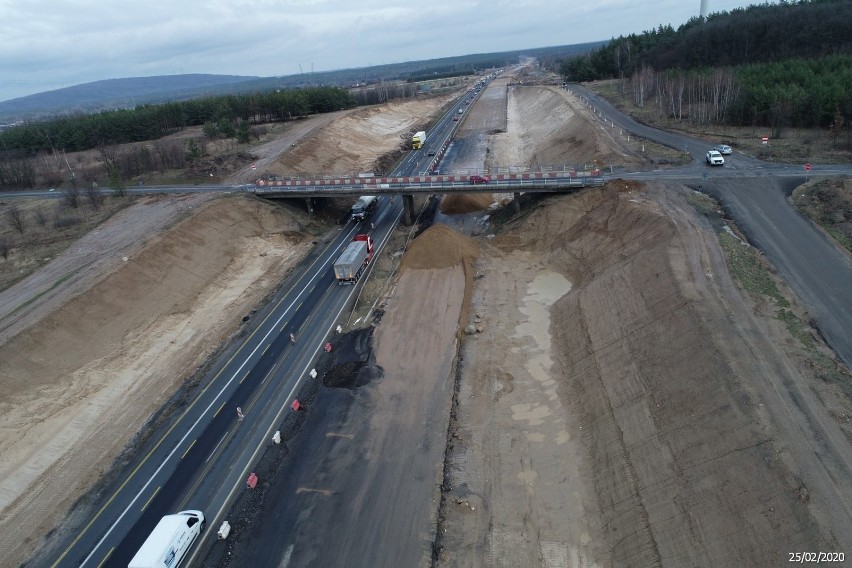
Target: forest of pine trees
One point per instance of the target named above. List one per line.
(787, 64)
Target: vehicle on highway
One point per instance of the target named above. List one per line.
(714, 158)
(353, 260)
(475, 179)
(365, 205)
(431, 152)
(456, 118)
(167, 544)
(418, 139)
(723, 149)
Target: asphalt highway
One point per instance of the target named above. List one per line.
(201, 456)
(204, 455)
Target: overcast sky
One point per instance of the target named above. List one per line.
(50, 44)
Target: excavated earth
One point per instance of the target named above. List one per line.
(101, 337)
(621, 404)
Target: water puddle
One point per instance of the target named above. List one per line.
(542, 292)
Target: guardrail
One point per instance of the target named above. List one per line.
(426, 185)
(538, 182)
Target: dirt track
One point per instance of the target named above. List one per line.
(624, 404)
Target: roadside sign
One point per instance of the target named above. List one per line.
(807, 167)
(765, 139)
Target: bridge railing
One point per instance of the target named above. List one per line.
(434, 184)
(534, 177)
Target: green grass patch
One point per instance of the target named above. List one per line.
(824, 366)
(797, 329)
(702, 203)
(750, 270)
(840, 237)
(828, 203)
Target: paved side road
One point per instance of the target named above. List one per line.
(813, 265)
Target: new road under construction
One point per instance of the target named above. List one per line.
(579, 379)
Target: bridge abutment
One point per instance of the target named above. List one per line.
(516, 203)
(408, 210)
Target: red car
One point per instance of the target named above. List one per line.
(478, 179)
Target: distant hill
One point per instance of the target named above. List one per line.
(117, 93)
(114, 94)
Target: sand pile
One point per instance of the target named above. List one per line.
(439, 247)
(457, 204)
(549, 126)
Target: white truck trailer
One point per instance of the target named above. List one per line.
(418, 140)
(353, 260)
(168, 543)
(365, 205)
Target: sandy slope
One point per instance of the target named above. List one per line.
(87, 358)
(606, 414)
(357, 139)
(624, 404)
(76, 386)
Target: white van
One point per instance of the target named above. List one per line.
(167, 544)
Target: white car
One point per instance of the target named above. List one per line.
(723, 149)
(714, 158)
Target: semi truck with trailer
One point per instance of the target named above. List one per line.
(168, 543)
(418, 140)
(353, 260)
(365, 205)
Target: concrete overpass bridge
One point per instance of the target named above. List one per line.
(408, 186)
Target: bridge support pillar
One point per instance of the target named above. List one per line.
(408, 210)
(516, 203)
(309, 205)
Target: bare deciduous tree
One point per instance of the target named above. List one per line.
(71, 196)
(836, 128)
(94, 196)
(5, 247)
(16, 218)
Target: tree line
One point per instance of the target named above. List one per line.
(800, 92)
(151, 122)
(774, 65)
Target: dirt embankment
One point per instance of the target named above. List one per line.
(78, 384)
(354, 143)
(548, 126)
(623, 405)
(606, 415)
